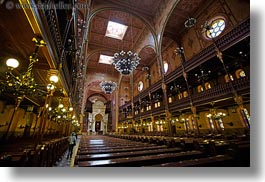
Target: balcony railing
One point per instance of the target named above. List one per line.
(241, 86)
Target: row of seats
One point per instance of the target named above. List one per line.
(30, 155)
(97, 151)
(237, 147)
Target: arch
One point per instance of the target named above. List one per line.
(227, 79)
(200, 89)
(145, 22)
(92, 53)
(160, 38)
(99, 95)
(95, 11)
(164, 26)
(207, 86)
(240, 73)
(185, 94)
(180, 95)
(148, 46)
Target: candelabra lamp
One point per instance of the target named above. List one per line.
(24, 83)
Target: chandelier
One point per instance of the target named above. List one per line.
(202, 76)
(126, 63)
(190, 22)
(108, 86)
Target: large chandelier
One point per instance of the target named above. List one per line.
(108, 86)
(126, 63)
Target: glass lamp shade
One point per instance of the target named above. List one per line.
(12, 63)
(50, 87)
(54, 78)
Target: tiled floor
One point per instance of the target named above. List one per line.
(64, 162)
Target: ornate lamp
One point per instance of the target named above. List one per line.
(126, 63)
(190, 22)
(108, 86)
(202, 76)
(23, 84)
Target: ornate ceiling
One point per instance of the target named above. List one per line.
(145, 20)
(141, 17)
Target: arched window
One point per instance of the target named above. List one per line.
(227, 78)
(240, 73)
(207, 86)
(165, 66)
(180, 96)
(140, 86)
(185, 94)
(199, 89)
(217, 27)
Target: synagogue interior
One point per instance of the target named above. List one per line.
(125, 83)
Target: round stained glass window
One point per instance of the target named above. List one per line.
(217, 28)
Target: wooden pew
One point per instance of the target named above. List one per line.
(126, 154)
(215, 161)
(141, 160)
(102, 151)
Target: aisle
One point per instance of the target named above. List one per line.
(64, 162)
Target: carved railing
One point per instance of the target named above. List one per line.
(241, 86)
(179, 104)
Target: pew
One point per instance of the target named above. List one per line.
(126, 154)
(101, 151)
(140, 160)
(215, 161)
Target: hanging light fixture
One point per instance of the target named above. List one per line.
(108, 86)
(126, 62)
(190, 22)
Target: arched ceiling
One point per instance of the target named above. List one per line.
(185, 9)
(126, 12)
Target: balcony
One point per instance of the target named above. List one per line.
(242, 86)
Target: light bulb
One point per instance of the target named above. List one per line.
(12, 62)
